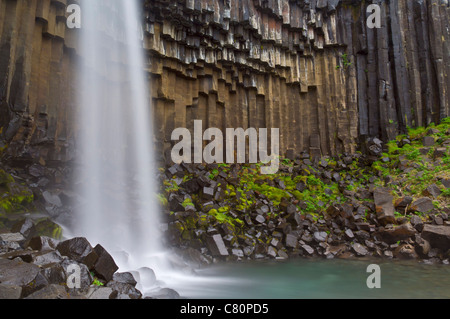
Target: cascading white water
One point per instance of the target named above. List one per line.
(119, 208)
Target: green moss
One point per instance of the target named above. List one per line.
(187, 202)
(162, 200)
(222, 217)
(48, 228)
(14, 197)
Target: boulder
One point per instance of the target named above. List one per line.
(48, 228)
(405, 251)
(432, 190)
(10, 292)
(24, 226)
(422, 205)
(103, 293)
(43, 243)
(145, 275)
(12, 237)
(164, 293)
(52, 199)
(291, 241)
(384, 206)
(428, 141)
(403, 202)
(308, 249)
(320, 236)
(20, 274)
(78, 249)
(126, 278)
(86, 278)
(437, 236)
(216, 245)
(121, 288)
(44, 258)
(395, 234)
(50, 292)
(54, 273)
(422, 246)
(359, 249)
(105, 266)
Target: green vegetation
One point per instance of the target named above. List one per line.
(413, 167)
(406, 167)
(14, 197)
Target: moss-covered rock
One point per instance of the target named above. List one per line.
(14, 197)
(48, 228)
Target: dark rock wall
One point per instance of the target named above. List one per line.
(310, 67)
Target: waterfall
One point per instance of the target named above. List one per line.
(117, 178)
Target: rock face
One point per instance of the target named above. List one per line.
(312, 68)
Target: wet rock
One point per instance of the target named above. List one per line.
(20, 274)
(191, 186)
(260, 219)
(78, 249)
(216, 245)
(104, 266)
(237, 252)
(146, 277)
(12, 237)
(54, 273)
(384, 206)
(388, 254)
(164, 293)
(396, 234)
(52, 199)
(320, 236)
(48, 228)
(405, 251)
(359, 249)
(51, 292)
(126, 278)
(349, 234)
(25, 226)
(362, 235)
(272, 252)
(46, 257)
(308, 249)
(43, 243)
(208, 193)
(422, 246)
(22, 255)
(86, 278)
(10, 292)
(291, 241)
(422, 205)
(103, 293)
(438, 236)
(417, 222)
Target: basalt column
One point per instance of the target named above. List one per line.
(312, 68)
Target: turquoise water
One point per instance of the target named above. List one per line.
(323, 279)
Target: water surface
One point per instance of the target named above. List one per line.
(323, 279)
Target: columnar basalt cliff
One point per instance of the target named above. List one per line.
(312, 68)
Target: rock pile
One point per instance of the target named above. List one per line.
(40, 267)
(392, 202)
